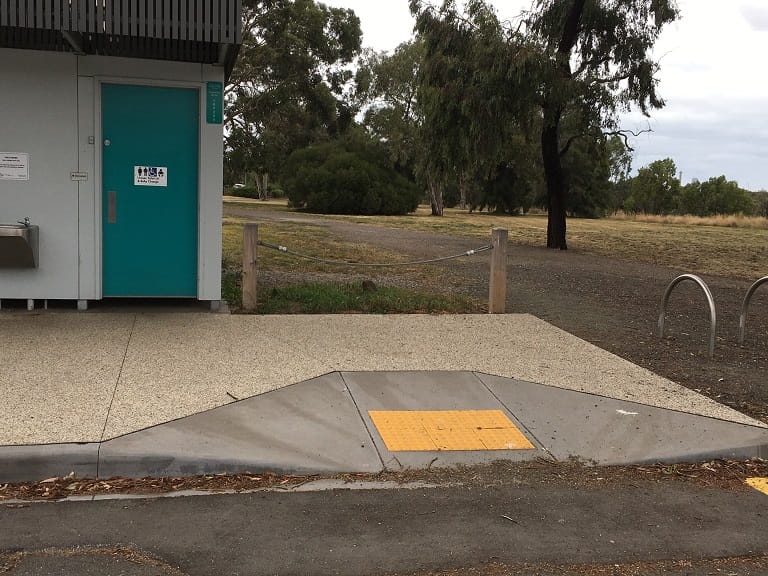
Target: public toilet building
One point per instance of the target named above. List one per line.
(111, 154)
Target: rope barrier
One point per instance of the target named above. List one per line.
(285, 250)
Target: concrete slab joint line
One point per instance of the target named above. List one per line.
(360, 414)
(114, 394)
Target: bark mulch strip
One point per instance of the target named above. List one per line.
(718, 474)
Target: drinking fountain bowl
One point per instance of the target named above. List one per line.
(18, 246)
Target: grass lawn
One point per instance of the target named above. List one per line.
(729, 247)
(333, 297)
(322, 298)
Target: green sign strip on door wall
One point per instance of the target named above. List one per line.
(150, 153)
(214, 102)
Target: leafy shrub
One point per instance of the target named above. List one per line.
(275, 191)
(507, 191)
(353, 176)
(247, 192)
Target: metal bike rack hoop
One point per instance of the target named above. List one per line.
(745, 307)
(710, 301)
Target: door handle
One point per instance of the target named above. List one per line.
(111, 207)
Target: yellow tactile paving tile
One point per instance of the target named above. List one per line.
(405, 431)
(760, 484)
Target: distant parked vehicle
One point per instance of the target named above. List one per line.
(238, 186)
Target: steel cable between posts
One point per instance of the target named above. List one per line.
(285, 250)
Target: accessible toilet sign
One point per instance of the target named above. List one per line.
(150, 176)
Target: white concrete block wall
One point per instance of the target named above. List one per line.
(38, 116)
(211, 192)
(49, 108)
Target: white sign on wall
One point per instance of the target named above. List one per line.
(14, 166)
(150, 176)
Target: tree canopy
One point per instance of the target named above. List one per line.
(715, 196)
(484, 113)
(655, 189)
(579, 62)
(288, 87)
(387, 85)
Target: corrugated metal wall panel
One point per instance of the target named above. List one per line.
(238, 26)
(39, 21)
(141, 20)
(151, 19)
(186, 30)
(13, 16)
(199, 20)
(183, 21)
(48, 14)
(167, 19)
(214, 19)
(97, 18)
(80, 18)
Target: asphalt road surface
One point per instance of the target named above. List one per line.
(402, 531)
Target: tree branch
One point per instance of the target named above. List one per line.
(623, 134)
(571, 28)
(612, 79)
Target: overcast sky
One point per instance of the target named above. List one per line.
(714, 78)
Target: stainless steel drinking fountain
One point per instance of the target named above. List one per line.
(19, 245)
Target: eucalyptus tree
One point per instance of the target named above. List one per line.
(594, 56)
(387, 88)
(655, 189)
(580, 61)
(468, 105)
(716, 196)
(290, 85)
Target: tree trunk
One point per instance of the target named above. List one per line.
(550, 133)
(262, 182)
(553, 174)
(436, 197)
(462, 192)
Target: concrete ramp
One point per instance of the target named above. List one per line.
(371, 421)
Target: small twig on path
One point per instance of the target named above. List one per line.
(510, 519)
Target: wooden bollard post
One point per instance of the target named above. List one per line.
(497, 289)
(250, 256)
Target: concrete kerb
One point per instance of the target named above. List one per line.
(38, 462)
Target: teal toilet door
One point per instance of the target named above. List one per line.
(150, 191)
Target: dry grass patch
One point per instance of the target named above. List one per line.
(420, 282)
(697, 247)
(721, 220)
(310, 239)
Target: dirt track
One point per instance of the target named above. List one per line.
(611, 303)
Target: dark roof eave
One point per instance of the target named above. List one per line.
(221, 54)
